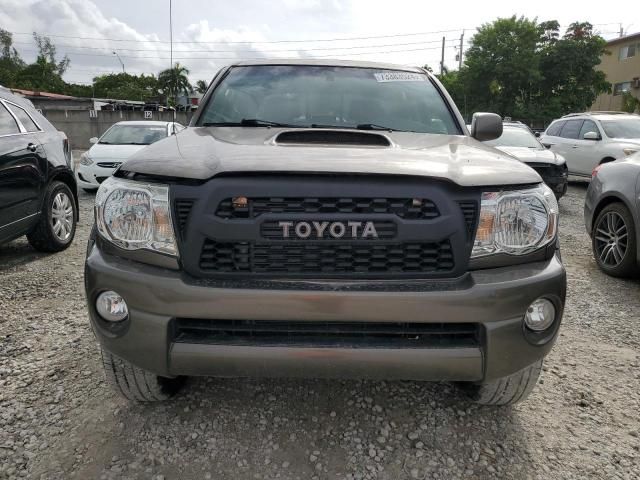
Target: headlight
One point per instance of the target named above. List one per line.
(629, 151)
(516, 222)
(85, 159)
(135, 215)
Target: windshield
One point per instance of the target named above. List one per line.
(515, 137)
(134, 134)
(629, 128)
(344, 97)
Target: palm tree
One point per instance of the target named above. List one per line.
(201, 86)
(175, 81)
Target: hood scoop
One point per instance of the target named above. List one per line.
(332, 137)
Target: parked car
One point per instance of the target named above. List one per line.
(38, 192)
(587, 140)
(118, 143)
(518, 140)
(612, 216)
(326, 219)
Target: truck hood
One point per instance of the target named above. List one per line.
(113, 152)
(533, 155)
(201, 153)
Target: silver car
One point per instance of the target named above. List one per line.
(587, 140)
(612, 216)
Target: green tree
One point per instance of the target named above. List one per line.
(125, 86)
(175, 81)
(571, 81)
(10, 61)
(502, 66)
(46, 73)
(201, 86)
(526, 70)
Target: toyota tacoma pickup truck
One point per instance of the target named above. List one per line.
(326, 219)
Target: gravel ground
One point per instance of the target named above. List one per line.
(59, 420)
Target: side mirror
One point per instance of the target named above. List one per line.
(591, 136)
(486, 126)
(93, 140)
(537, 134)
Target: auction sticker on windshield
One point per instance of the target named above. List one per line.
(399, 77)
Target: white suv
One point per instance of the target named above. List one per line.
(586, 140)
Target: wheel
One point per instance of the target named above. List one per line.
(614, 241)
(135, 383)
(506, 390)
(56, 226)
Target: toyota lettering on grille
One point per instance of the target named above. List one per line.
(336, 230)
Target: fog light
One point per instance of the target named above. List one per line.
(111, 306)
(540, 315)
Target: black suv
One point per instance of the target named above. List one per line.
(38, 192)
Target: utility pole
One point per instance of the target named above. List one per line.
(621, 31)
(460, 52)
(174, 73)
(442, 58)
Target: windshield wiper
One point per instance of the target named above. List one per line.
(249, 122)
(373, 126)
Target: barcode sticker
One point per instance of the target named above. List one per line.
(399, 77)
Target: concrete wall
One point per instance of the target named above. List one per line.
(80, 126)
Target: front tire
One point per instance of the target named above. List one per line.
(56, 226)
(507, 390)
(136, 384)
(614, 242)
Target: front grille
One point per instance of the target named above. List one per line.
(407, 208)
(353, 334)
(326, 259)
(272, 230)
(182, 209)
(470, 213)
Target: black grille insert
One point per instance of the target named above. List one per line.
(182, 210)
(408, 208)
(470, 213)
(313, 333)
(326, 259)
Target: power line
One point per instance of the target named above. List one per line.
(396, 35)
(453, 40)
(246, 58)
(249, 41)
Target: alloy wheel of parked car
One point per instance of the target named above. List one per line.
(62, 216)
(614, 241)
(56, 226)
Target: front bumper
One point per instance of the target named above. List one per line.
(495, 299)
(556, 177)
(90, 177)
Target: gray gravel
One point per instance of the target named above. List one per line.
(58, 419)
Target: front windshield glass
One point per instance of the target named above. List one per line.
(515, 137)
(323, 96)
(134, 134)
(628, 128)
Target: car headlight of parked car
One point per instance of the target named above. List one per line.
(516, 222)
(629, 151)
(85, 159)
(135, 216)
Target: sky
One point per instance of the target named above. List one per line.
(208, 34)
